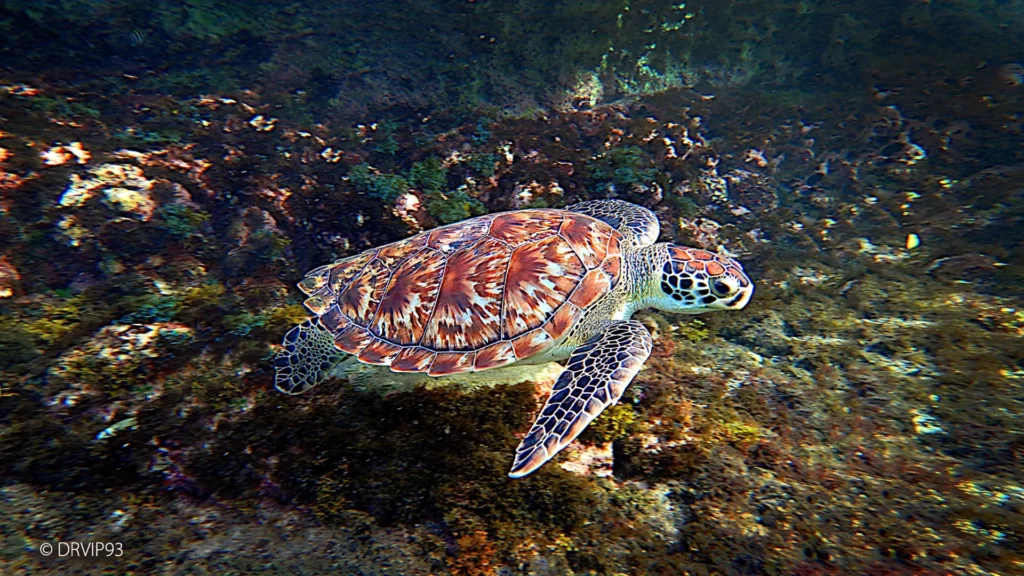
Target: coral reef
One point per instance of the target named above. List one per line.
(360, 60)
(861, 416)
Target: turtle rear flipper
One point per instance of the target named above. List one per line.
(308, 357)
(595, 377)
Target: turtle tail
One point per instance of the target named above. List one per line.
(308, 357)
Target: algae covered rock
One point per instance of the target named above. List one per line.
(118, 358)
(107, 198)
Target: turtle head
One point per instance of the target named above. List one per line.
(692, 281)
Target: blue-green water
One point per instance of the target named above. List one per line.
(169, 172)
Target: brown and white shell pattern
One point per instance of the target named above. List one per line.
(473, 295)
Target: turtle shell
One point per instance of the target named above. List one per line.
(474, 295)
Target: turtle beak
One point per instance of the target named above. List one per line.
(740, 300)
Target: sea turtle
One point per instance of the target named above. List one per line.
(526, 286)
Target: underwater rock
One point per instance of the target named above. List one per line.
(1011, 74)
(117, 359)
(702, 233)
(9, 278)
(62, 154)
(535, 194)
(122, 186)
(585, 93)
(588, 460)
(107, 198)
(751, 191)
(963, 267)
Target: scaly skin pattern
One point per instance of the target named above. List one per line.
(595, 377)
(689, 275)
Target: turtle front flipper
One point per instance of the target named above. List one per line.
(638, 224)
(308, 357)
(595, 377)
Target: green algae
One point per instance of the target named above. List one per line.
(484, 164)
(182, 221)
(693, 331)
(216, 387)
(50, 320)
(119, 357)
(454, 206)
(384, 137)
(386, 187)
(615, 423)
(153, 307)
(625, 166)
(429, 175)
(18, 345)
(740, 434)
(285, 316)
(210, 294)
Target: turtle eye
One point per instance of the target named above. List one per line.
(721, 288)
